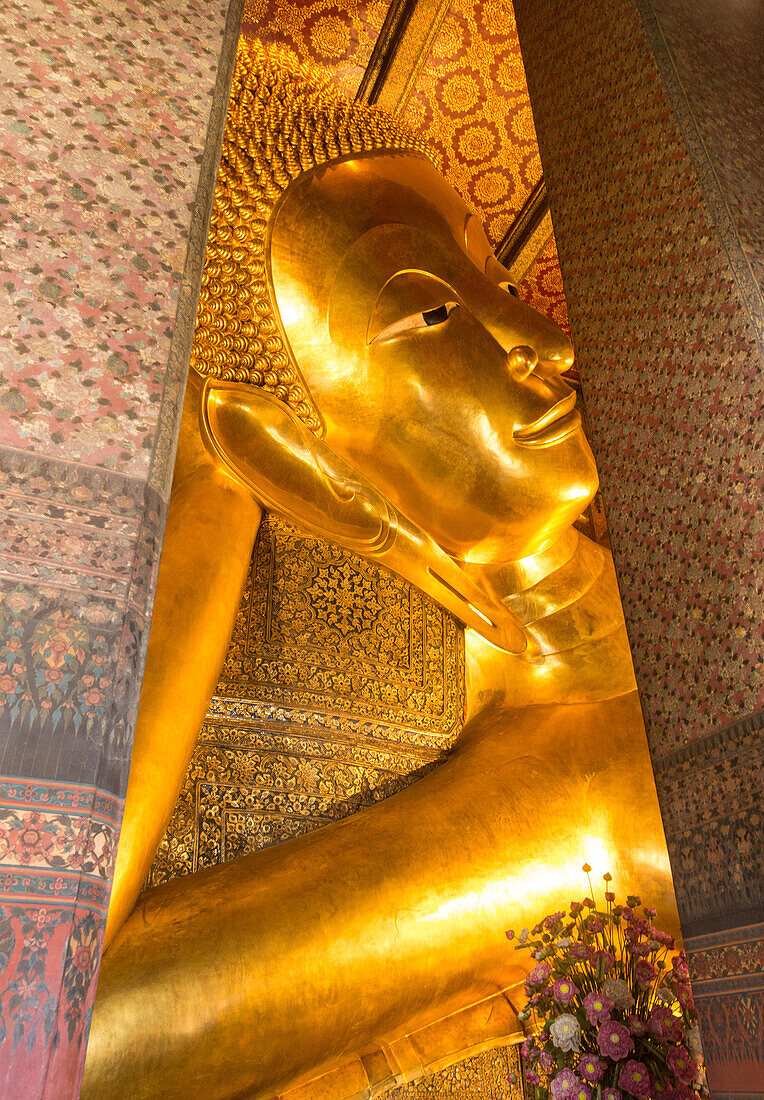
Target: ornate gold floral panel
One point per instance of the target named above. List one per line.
(341, 684)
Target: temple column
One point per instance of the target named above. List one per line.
(647, 117)
(114, 118)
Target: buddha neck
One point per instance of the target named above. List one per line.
(567, 598)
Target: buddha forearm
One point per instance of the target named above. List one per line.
(247, 977)
(211, 528)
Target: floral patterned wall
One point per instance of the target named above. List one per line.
(654, 226)
(106, 182)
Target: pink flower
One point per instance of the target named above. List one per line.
(661, 1092)
(609, 896)
(663, 938)
(635, 1079)
(614, 1040)
(564, 991)
(679, 964)
(663, 1024)
(583, 1092)
(565, 1084)
(580, 951)
(597, 1007)
(611, 1094)
(591, 1068)
(608, 959)
(594, 924)
(552, 919)
(546, 1062)
(645, 972)
(684, 1092)
(637, 1026)
(539, 974)
(681, 1064)
(684, 996)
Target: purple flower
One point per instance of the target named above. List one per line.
(684, 996)
(644, 973)
(635, 1079)
(611, 1094)
(597, 1007)
(532, 1077)
(546, 1061)
(591, 1068)
(637, 1027)
(580, 951)
(681, 1064)
(509, 934)
(565, 1085)
(539, 974)
(614, 1040)
(594, 924)
(564, 991)
(583, 1092)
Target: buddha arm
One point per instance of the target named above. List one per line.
(211, 527)
(256, 974)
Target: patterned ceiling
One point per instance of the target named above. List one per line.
(470, 98)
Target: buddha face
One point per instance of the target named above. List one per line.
(431, 377)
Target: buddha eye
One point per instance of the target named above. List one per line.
(427, 319)
(510, 289)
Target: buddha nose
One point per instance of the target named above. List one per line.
(515, 324)
(551, 344)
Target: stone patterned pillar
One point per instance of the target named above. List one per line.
(647, 122)
(113, 123)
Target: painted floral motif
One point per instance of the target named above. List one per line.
(55, 669)
(58, 841)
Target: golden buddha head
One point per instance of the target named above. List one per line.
(349, 280)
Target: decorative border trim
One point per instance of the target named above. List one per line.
(58, 844)
(719, 740)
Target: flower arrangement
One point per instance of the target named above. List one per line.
(612, 1016)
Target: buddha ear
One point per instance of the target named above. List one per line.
(262, 443)
(259, 442)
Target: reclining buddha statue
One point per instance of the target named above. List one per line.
(364, 371)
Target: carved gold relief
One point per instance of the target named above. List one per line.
(341, 683)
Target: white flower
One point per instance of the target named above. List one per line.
(665, 995)
(566, 941)
(523, 935)
(566, 1032)
(619, 993)
(692, 1038)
